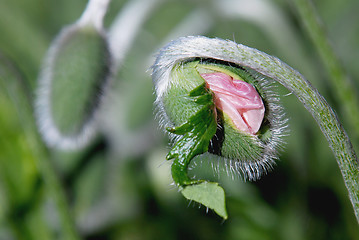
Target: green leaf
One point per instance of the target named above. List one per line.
(209, 194)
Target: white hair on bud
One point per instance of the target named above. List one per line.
(198, 47)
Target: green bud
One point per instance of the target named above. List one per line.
(73, 78)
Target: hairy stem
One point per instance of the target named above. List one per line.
(327, 120)
(325, 117)
(337, 75)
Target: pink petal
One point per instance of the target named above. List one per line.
(238, 99)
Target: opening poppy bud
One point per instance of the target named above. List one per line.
(209, 102)
(238, 100)
(250, 122)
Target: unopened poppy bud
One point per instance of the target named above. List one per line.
(250, 122)
(75, 73)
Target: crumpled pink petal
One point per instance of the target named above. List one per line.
(238, 99)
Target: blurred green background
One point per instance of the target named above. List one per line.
(120, 186)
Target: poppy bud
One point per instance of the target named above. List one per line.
(250, 121)
(74, 75)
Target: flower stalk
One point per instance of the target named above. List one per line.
(336, 73)
(94, 13)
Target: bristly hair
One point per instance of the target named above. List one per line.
(190, 48)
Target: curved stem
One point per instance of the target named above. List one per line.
(337, 75)
(57, 193)
(325, 117)
(272, 67)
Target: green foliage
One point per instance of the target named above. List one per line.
(20, 184)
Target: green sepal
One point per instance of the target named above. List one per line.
(197, 132)
(209, 194)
